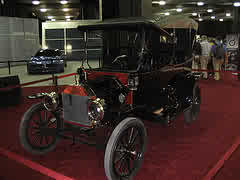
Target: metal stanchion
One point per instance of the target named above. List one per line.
(55, 82)
(9, 67)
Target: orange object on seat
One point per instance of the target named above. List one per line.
(76, 90)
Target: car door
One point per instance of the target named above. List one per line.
(154, 81)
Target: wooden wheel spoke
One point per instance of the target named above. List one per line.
(121, 166)
(128, 165)
(51, 123)
(119, 150)
(134, 139)
(35, 133)
(125, 165)
(35, 127)
(131, 135)
(41, 140)
(40, 117)
(45, 116)
(119, 159)
(46, 139)
(36, 122)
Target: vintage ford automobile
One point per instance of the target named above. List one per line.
(136, 79)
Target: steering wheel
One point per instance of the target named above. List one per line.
(118, 59)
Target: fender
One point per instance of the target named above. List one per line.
(185, 85)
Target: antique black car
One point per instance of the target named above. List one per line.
(47, 61)
(137, 79)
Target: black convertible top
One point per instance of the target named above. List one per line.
(119, 23)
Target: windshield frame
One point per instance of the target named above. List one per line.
(139, 35)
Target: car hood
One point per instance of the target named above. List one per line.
(44, 58)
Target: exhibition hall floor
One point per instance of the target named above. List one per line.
(179, 152)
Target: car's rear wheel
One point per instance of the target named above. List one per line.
(31, 139)
(125, 149)
(191, 114)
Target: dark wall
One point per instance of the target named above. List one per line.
(214, 28)
(121, 8)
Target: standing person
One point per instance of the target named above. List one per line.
(206, 49)
(218, 50)
(210, 63)
(197, 51)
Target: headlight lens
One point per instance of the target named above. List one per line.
(50, 101)
(96, 110)
(58, 61)
(133, 83)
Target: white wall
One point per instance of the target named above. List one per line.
(19, 38)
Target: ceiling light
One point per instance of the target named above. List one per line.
(220, 19)
(200, 19)
(36, 2)
(53, 19)
(236, 4)
(228, 14)
(63, 2)
(213, 17)
(67, 17)
(194, 14)
(167, 13)
(159, 2)
(179, 9)
(50, 17)
(65, 9)
(209, 10)
(162, 3)
(43, 10)
(200, 3)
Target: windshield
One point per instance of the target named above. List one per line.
(48, 53)
(119, 48)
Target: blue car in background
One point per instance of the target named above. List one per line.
(47, 61)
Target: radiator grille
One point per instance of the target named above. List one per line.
(75, 109)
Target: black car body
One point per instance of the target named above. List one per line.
(47, 61)
(137, 80)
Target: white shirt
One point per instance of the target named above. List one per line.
(206, 48)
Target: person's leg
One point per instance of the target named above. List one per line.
(218, 64)
(215, 67)
(195, 63)
(211, 66)
(204, 60)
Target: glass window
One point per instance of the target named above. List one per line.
(49, 53)
(54, 34)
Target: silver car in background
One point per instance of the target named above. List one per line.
(47, 61)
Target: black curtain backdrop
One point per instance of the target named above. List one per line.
(215, 28)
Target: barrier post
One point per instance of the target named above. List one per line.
(9, 67)
(55, 82)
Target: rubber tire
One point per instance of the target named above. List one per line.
(119, 129)
(23, 132)
(192, 113)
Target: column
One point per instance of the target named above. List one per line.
(236, 20)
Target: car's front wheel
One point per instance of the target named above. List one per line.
(31, 139)
(125, 149)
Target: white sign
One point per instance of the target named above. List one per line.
(232, 41)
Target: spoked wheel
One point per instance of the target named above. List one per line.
(125, 150)
(31, 139)
(192, 113)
